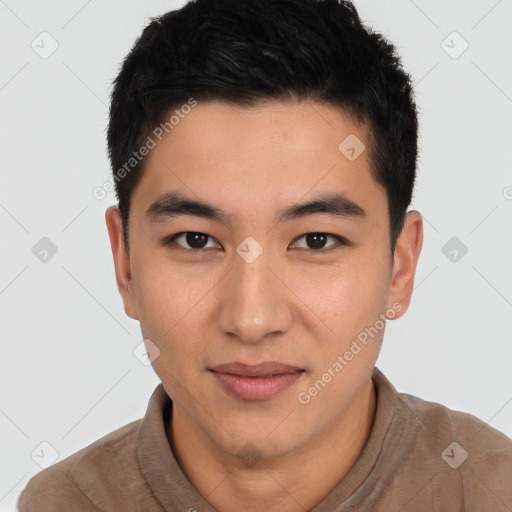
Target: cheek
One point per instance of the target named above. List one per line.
(165, 296)
(171, 308)
(355, 297)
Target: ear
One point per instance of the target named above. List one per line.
(407, 253)
(121, 261)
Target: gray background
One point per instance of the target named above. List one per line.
(68, 372)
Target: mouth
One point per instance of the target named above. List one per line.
(256, 382)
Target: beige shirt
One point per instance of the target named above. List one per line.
(420, 456)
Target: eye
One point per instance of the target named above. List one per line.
(194, 239)
(317, 241)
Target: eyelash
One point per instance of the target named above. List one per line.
(341, 241)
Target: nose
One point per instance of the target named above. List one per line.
(255, 303)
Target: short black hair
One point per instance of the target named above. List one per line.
(245, 52)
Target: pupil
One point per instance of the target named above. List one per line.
(316, 236)
(192, 239)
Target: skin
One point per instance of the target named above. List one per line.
(207, 306)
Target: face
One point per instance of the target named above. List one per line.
(254, 277)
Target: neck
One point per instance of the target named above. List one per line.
(295, 482)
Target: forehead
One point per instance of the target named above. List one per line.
(261, 159)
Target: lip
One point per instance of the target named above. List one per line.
(264, 369)
(256, 382)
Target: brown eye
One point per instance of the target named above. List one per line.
(191, 240)
(316, 241)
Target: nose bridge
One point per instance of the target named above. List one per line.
(254, 302)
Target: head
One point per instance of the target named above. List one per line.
(264, 155)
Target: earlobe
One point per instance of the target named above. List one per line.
(121, 260)
(407, 252)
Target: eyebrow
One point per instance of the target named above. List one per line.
(174, 204)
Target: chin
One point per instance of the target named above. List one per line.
(251, 451)
(259, 442)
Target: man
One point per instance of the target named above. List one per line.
(264, 157)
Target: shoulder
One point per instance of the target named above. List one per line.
(444, 423)
(432, 423)
(436, 458)
(461, 451)
(82, 480)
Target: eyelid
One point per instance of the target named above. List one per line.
(341, 241)
(172, 238)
